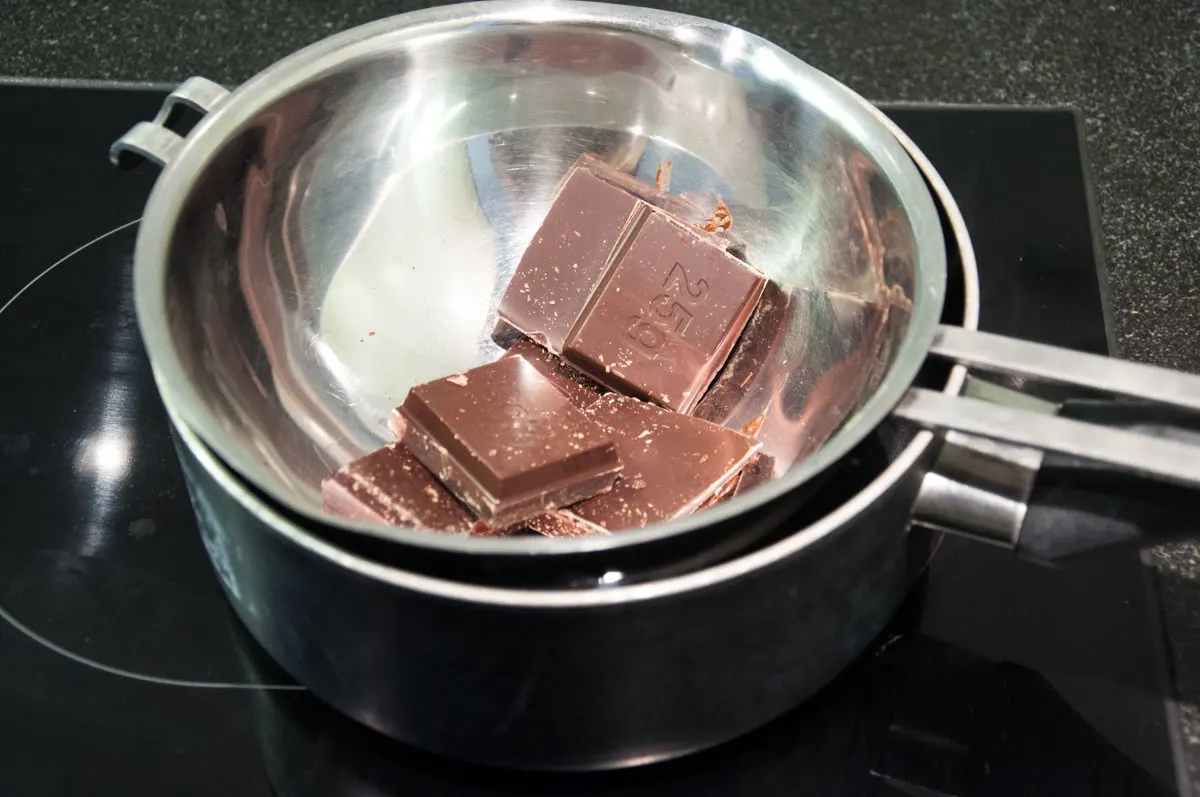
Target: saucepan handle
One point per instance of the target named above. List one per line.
(1055, 484)
(1170, 460)
(156, 141)
(1076, 505)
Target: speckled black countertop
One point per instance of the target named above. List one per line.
(1133, 69)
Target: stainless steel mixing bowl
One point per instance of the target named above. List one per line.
(338, 229)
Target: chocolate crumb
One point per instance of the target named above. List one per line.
(751, 428)
(662, 176)
(719, 220)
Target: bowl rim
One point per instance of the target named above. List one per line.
(314, 545)
(888, 147)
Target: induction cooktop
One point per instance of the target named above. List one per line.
(123, 670)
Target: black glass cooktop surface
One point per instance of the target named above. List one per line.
(123, 671)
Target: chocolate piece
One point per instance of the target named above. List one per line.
(566, 258)
(759, 470)
(744, 388)
(507, 442)
(666, 315)
(680, 207)
(571, 381)
(563, 524)
(505, 334)
(481, 529)
(391, 486)
(596, 210)
(673, 464)
(712, 227)
(753, 426)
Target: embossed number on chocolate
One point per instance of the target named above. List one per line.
(507, 442)
(666, 315)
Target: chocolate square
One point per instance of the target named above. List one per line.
(391, 486)
(567, 257)
(744, 388)
(666, 315)
(507, 442)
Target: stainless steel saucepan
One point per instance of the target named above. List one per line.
(338, 228)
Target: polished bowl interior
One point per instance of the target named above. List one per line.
(340, 228)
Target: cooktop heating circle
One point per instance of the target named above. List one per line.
(88, 586)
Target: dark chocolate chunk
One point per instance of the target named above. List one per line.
(481, 529)
(507, 442)
(759, 470)
(673, 464)
(566, 258)
(666, 315)
(581, 391)
(505, 334)
(391, 486)
(742, 391)
(802, 368)
(713, 226)
(680, 207)
(562, 523)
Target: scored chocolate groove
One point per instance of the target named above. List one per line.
(566, 257)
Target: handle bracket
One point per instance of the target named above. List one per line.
(1054, 482)
(155, 141)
